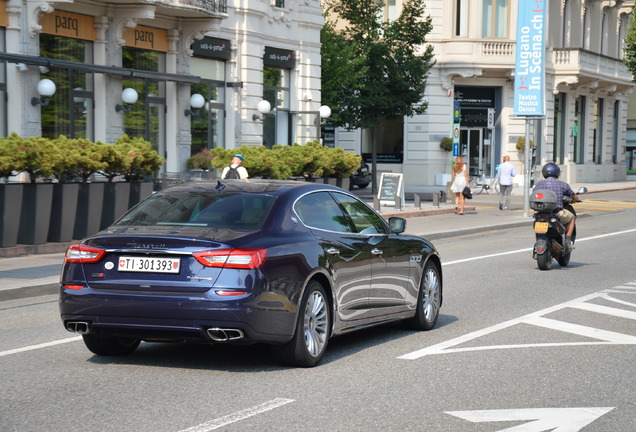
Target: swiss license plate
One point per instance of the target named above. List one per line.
(148, 265)
(541, 227)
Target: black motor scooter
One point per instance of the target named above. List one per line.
(549, 231)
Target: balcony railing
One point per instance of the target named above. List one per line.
(210, 7)
(581, 62)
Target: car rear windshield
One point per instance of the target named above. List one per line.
(204, 209)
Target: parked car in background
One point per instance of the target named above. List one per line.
(361, 178)
(287, 263)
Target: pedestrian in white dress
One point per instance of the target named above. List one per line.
(460, 181)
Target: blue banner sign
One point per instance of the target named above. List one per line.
(529, 88)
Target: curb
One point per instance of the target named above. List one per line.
(29, 291)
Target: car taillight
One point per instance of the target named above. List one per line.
(232, 258)
(80, 253)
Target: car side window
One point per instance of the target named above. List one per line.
(365, 220)
(319, 210)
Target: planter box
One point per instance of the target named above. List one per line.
(88, 216)
(116, 198)
(139, 191)
(10, 208)
(36, 213)
(63, 212)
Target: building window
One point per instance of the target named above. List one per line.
(3, 90)
(597, 137)
(559, 129)
(578, 130)
(566, 24)
(585, 42)
(146, 119)
(279, 3)
(70, 110)
(495, 18)
(208, 124)
(461, 17)
(276, 124)
(389, 139)
(615, 132)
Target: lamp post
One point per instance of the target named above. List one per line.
(324, 113)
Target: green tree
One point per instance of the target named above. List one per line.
(630, 46)
(389, 64)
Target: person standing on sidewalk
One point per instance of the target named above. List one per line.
(504, 176)
(235, 170)
(460, 181)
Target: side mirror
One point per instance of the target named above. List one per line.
(397, 225)
(582, 190)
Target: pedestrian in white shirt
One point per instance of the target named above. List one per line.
(504, 176)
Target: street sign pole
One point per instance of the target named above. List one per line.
(527, 173)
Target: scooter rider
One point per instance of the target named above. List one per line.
(551, 172)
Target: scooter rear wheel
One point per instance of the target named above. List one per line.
(544, 260)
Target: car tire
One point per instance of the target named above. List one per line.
(313, 330)
(110, 345)
(429, 299)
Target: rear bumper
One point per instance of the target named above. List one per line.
(182, 317)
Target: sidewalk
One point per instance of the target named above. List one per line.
(34, 270)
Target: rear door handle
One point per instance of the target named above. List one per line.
(333, 251)
(376, 251)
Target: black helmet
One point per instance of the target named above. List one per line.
(551, 170)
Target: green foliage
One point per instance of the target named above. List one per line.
(84, 158)
(201, 160)
(446, 144)
(140, 159)
(630, 46)
(8, 150)
(282, 162)
(374, 68)
(521, 143)
(67, 158)
(37, 156)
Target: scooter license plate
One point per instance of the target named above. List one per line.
(541, 227)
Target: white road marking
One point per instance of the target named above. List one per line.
(578, 240)
(540, 419)
(38, 346)
(239, 415)
(600, 337)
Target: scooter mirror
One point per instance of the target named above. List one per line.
(582, 190)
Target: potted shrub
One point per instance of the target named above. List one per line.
(10, 193)
(65, 194)
(143, 161)
(37, 156)
(90, 158)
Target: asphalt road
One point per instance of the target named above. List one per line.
(514, 346)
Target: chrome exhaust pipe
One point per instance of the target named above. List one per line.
(80, 327)
(225, 335)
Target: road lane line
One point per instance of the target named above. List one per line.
(535, 318)
(38, 346)
(461, 261)
(239, 415)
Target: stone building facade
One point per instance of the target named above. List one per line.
(587, 92)
(234, 53)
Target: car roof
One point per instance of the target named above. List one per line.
(256, 186)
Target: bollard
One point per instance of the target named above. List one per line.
(442, 196)
(417, 202)
(436, 200)
(376, 203)
(398, 203)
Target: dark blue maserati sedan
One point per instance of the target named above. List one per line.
(286, 263)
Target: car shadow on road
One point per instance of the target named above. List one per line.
(256, 357)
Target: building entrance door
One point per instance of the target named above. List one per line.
(476, 149)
